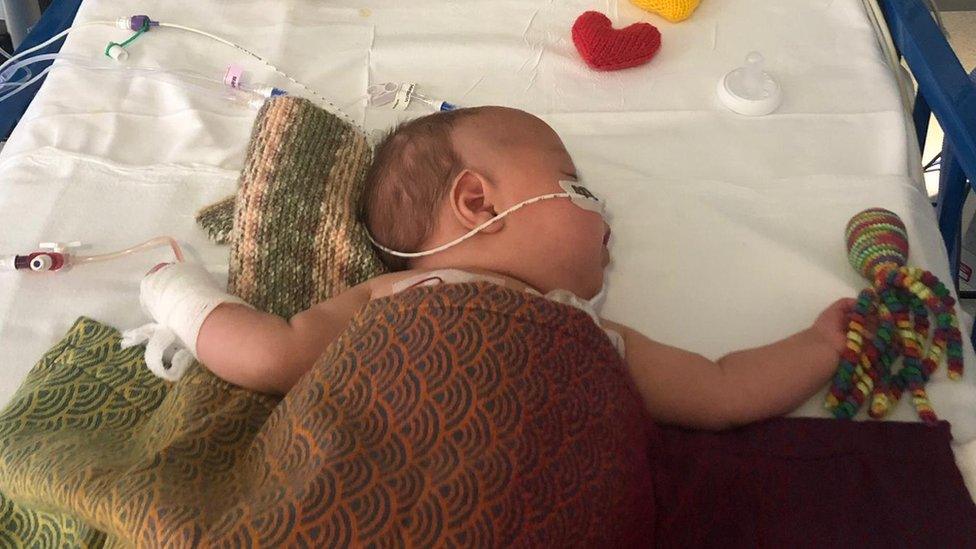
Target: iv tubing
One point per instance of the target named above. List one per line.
(334, 109)
(26, 84)
(81, 62)
(186, 78)
(53, 39)
(8, 84)
(151, 243)
(49, 41)
(12, 69)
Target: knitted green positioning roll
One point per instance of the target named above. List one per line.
(295, 229)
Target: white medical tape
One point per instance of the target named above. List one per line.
(582, 197)
(180, 297)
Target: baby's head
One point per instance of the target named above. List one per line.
(435, 178)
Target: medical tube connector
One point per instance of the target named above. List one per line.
(51, 257)
(135, 22)
(399, 97)
(39, 262)
(55, 256)
(269, 91)
(138, 23)
(116, 52)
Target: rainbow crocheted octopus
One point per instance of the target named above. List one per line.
(891, 320)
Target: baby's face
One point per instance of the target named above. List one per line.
(558, 245)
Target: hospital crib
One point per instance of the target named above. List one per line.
(943, 90)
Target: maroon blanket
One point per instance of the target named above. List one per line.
(794, 482)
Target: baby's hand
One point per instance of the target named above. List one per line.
(831, 325)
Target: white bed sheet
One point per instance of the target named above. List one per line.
(728, 230)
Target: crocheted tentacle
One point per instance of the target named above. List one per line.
(862, 382)
(928, 364)
(881, 354)
(947, 336)
(912, 371)
(924, 291)
(847, 373)
(888, 390)
(946, 340)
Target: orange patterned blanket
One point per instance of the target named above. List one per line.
(464, 414)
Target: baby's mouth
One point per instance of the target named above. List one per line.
(606, 237)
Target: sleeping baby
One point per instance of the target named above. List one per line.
(490, 194)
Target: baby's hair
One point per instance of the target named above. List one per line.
(412, 170)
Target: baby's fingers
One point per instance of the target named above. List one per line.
(845, 304)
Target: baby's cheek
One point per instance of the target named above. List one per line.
(586, 227)
(573, 237)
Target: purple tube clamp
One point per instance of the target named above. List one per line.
(136, 22)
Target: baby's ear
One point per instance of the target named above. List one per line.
(473, 199)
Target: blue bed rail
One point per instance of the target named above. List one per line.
(945, 90)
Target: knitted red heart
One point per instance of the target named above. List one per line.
(605, 48)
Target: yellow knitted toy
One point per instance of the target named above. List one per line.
(672, 10)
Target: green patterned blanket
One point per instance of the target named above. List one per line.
(96, 448)
(467, 415)
(295, 239)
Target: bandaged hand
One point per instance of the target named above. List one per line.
(178, 297)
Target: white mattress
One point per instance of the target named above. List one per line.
(728, 230)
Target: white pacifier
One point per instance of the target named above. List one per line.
(749, 90)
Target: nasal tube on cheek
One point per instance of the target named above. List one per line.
(576, 192)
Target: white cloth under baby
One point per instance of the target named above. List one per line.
(457, 276)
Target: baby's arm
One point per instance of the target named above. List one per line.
(687, 389)
(249, 348)
(265, 352)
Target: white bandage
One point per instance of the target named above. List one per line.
(180, 297)
(164, 354)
